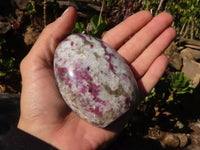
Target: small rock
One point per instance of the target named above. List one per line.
(89, 28)
(175, 61)
(183, 138)
(194, 137)
(171, 49)
(179, 125)
(195, 127)
(171, 140)
(5, 27)
(186, 54)
(191, 70)
(31, 35)
(2, 88)
(155, 133)
(194, 53)
(168, 139)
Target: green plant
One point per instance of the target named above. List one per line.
(187, 19)
(185, 13)
(78, 28)
(35, 7)
(6, 58)
(6, 65)
(96, 26)
(169, 90)
(179, 85)
(31, 7)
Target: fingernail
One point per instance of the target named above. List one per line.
(65, 12)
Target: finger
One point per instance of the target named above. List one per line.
(117, 35)
(152, 76)
(143, 62)
(50, 37)
(135, 46)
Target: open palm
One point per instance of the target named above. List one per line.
(45, 115)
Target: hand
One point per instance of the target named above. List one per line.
(45, 115)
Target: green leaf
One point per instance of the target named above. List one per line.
(94, 21)
(179, 84)
(2, 73)
(98, 25)
(79, 28)
(182, 20)
(30, 8)
(7, 63)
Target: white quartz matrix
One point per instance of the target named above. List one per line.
(93, 79)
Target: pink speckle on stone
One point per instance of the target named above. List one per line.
(97, 111)
(61, 71)
(94, 80)
(94, 89)
(111, 65)
(97, 100)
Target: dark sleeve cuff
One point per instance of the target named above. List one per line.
(17, 139)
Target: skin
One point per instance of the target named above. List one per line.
(45, 115)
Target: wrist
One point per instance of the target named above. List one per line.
(35, 130)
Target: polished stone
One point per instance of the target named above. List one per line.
(93, 79)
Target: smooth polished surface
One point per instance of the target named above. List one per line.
(93, 79)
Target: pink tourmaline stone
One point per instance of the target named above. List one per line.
(93, 79)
